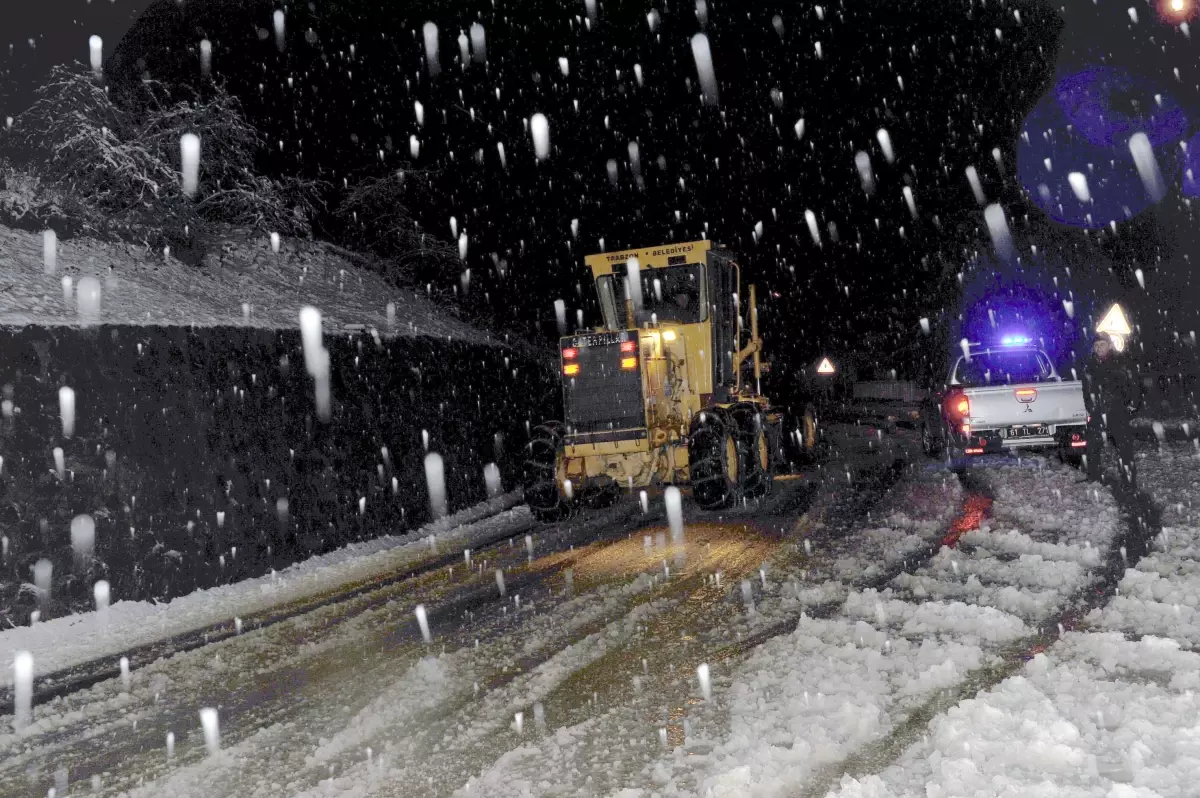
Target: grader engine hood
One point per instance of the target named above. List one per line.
(602, 387)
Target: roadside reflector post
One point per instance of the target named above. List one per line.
(825, 384)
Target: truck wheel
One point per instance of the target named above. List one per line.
(1070, 457)
(755, 450)
(714, 460)
(808, 431)
(931, 442)
(799, 437)
(541, 474)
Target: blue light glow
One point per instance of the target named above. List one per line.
(1083, 126)
(1014, 340)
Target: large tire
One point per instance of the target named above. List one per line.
(1070, 457)
(776, 439)
(931, 440)
(541, 474)
(810, 438)
(754, 449)
(714, 460)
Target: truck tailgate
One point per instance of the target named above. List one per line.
(1002, 406)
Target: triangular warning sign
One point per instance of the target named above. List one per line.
(825, 366)
(1114, 322)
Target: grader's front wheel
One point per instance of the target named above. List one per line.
(715, 461)
(541, 474)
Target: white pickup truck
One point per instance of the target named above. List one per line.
(1004, 397)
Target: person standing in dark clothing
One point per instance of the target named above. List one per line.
(1111, 396)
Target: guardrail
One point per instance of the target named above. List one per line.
(889, 390)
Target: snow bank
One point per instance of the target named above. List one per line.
(1015, 542)
(1161, 596)
(141, 287)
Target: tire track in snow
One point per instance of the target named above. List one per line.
(967, 519)
(266, 696)
(618, 691)
(435, 739)
(61, 683)
(1140, 523)
(474, 731)
(470, 731)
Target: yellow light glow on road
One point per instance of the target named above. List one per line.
(735, 549)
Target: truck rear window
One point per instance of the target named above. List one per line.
(1001, 368)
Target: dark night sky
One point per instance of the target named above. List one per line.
(948, 81)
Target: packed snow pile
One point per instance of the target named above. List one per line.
(259, 282)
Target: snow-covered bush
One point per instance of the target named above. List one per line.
(374, 216)
(116, 167)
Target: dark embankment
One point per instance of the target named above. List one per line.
(198, 454)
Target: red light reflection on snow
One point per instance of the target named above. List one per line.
(976, 508)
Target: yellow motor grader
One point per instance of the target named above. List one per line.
(666, 392)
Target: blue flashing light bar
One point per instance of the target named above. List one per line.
(1015, 340)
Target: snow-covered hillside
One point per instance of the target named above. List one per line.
(244, 282)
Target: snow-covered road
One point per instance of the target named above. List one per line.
(876, 626)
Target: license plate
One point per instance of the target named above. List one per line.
(1027, 432)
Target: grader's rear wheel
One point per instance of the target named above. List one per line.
(715, 460)
(755, 448)
(541, 474)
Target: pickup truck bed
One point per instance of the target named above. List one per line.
(1025, 416)
(1004, 398)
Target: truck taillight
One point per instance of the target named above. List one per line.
(958, 406)
(571, 369)
(570, 353)
(1026, 395)
(628, 363)
(628, 346)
